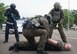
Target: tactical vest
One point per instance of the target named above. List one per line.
(56, 16)
(31, 23)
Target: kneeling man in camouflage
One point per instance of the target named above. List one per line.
(36, 26)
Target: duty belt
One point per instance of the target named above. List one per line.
(10, 23)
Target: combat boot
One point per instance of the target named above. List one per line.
(11, 48)
(5, 41)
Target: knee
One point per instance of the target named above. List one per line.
(45, 32)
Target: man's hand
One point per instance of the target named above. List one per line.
(67, 46)
(61, 21)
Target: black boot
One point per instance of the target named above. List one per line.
(11, 48)
(16, 45)
(5, 41)
(42, 52)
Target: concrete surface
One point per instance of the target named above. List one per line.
(71, 37)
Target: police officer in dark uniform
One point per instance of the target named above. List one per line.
(12, 15)
(57, 19)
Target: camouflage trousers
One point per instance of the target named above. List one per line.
(29, 34)
(60, 29)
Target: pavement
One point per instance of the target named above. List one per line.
(71, 37)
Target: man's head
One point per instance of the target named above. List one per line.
(48, 17)
(12, 6)
(57, 6)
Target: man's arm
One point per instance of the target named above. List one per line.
(62, 16)
(7, 13)
(17, 15)
(45, 24)
(61, 21)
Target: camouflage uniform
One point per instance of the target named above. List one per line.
(23, 45)
(57, 18)
(30, 33)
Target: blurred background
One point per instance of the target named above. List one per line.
(30, 8)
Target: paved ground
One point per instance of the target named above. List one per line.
(71, 37)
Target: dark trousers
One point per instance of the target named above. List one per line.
(8, 26)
